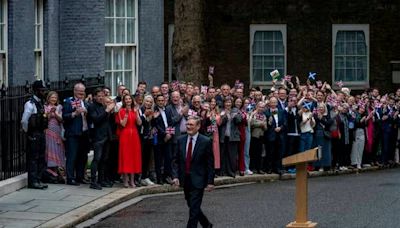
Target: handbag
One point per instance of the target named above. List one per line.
(336, 133)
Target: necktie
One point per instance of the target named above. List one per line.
(189, 156)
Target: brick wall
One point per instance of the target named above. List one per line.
(51, 42)
(151, 43)
(82, 32)
(21, 40)
(309, 34)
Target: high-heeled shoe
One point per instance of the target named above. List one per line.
(132, 184)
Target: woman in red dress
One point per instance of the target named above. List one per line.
(129, 160)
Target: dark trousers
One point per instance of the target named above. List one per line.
(77, 148)
(255, 154)
(100, 160)
(229, 157)
(147, 149)
(113, 161)
(273, 156)
(162, 158)
(36, 163)
(292, 146)
(194, 197)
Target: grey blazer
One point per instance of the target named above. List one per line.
(235, 133)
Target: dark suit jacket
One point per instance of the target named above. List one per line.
(202, 164)
(160, 126)
(270, 133)
(145, 128)
(175, 121)
(100, 118)
(72, 125)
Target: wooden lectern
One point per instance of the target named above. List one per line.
(301, 160)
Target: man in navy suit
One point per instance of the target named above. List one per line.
(275, 137)
(76, 134)
(194, 170)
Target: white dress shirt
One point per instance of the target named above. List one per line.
(164, 116)
(29, 109)
(194, 140)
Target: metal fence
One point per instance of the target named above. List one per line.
(13, 142)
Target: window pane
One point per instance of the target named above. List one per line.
(339, 48)
(361, 74)
(339, 75)
(350, 62)
(350, 75)
(118, 79)
(258, 36)
(350, 36)
(257, 62)
(268, 47)
(120, 30)
(279, 62)
(109, 30)
(131, 29)
(268, 62)
(128, 58)
(108, 59)
(350, 48)
(268, 36)
(117, 58)
(108, 81)
(360, 37)
(109, 8)
(128, 79)
(257, 47)
(340, 36)
(278, 36)
(130, 8)
(339, 62)
(361, 48)
(120, 8)
(257, 75)
(279, 47)
(362, 62)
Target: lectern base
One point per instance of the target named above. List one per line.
(300, 225)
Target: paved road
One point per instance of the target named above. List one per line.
(363, 200)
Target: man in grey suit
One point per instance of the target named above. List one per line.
(194, 170)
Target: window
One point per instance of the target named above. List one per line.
(3, 43)
(350, 45)
(267, 52)
(38, 51)
(121, 44)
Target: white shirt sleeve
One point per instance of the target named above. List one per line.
(29, 109)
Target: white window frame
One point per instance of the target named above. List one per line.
(267, 27)
(350, 27)
(171, 30)
(38, 51)
(4, 53)
(134, 45)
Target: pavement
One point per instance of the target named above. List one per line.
(67, 206)
(370, 200)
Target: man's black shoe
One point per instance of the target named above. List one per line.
(36, 186)
(72, 182)
(95, 186)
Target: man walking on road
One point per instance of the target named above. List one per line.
(194, 170)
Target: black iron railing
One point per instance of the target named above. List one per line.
(13, 143)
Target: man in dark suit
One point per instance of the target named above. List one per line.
(275, 137)
(76, 134)
(194, 170)
(162, 151)
(282, 99)
(99, 115)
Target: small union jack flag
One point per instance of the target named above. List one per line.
(76, 104)
(192, 113)
(212, 128)
(170, 130)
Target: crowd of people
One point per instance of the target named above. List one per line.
(134, 135)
